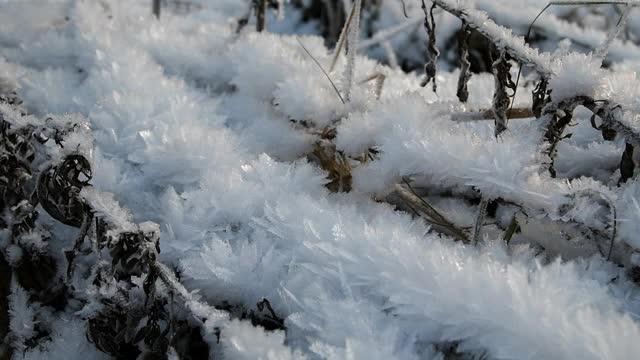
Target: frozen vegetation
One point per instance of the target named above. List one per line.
(319, 179)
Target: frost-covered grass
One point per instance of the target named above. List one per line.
(206, 132)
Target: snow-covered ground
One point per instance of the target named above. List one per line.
(206, 131)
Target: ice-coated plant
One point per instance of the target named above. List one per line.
(198, 188)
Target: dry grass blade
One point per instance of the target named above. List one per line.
(335, 164)
(512, 229)
(353, 36)
(623, 17)
(379, 83)
(611, 113)
(342, 38)
(324, 72)
(602, 51)
(430, 214)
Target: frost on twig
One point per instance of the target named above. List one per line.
(501, 37)
(349, 39)
(602, 51)
(511, 230)
(432, 49)
(353, 35)
(342, 39)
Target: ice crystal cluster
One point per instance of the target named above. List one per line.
(187, 187)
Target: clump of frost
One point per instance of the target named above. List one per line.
(104, 205)
(241, 341)
(577, 74)
(68, 341)
(22, 314)
(13, 254)
(353, 278)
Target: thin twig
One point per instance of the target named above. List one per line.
(517, 113)
(404, 9)
(379, 78)
(602, 51)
